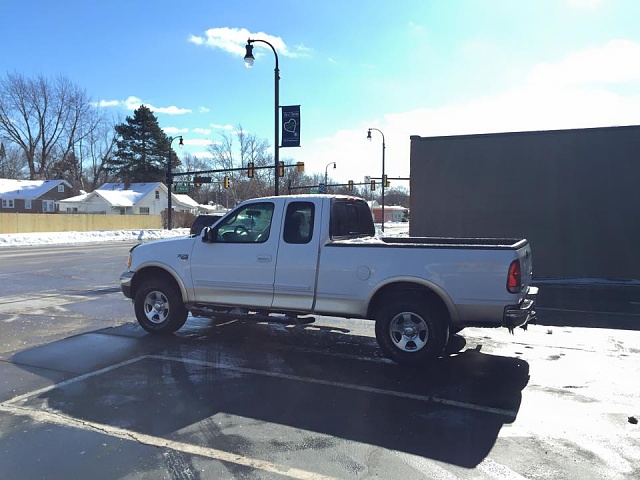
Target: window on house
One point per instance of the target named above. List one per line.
(144, 210)
(7, 203)
(48, 206)
(61, 188)
(27, 204)
(157, 195)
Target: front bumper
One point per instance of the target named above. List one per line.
(523, 313)
(125, 283)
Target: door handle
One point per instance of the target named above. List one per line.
(264, 258)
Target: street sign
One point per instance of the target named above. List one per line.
(202, 179)
(182, 188)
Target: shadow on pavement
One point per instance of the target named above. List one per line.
(592, 306)
(257, 388)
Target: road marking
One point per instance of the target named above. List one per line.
(12, 406)
(212, 453)
(57, 418)
(38, 304)
(350, 386)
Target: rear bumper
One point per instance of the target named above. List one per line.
(523, 313)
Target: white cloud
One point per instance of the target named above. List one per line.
(202, 131)
(202, 154)
(616, 62)
(108, 103)
(221, 127)
(233, 40)
(175, 130)
(197, 142)
(580, 91)
(204, 110)
(133, 103)
(172, 110)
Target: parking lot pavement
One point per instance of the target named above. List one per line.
(318, 401)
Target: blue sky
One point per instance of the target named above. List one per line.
(405, 67)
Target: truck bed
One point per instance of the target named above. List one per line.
(443, 242)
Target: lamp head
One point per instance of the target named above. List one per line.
(180, 142)
(248, 56)
(369, 135)
(334, 165)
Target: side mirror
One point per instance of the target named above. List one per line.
(208, 235)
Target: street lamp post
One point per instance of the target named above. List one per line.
(326, 175)
(383, 176)
(170, 180)
(248, 60)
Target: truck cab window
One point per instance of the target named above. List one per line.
(298, 223)
(249, 224)
(351, 218)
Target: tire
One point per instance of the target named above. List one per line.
(411, 331)
(158, 306)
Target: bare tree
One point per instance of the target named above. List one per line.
(250, 148)
(95, 150)
(43, 117)
(12, 162)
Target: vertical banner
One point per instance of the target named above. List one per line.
(290, 126)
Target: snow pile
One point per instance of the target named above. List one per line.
(61, 238)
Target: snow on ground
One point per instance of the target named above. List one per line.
(63, 238)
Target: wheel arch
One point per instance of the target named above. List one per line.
(154, 271)
(435, 295)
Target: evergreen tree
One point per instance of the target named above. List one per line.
(143, 149)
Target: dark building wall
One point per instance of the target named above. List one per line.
(573, 193)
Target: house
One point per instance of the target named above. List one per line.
(32, 196)
(132, 199)
(392, 213)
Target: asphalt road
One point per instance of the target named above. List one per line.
(85, 393)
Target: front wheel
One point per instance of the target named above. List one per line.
(159, 307)
(411, 332)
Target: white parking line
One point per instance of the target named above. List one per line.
(350, 386)
(13, 406)
(212, 453)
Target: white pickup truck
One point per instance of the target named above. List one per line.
(286, 257)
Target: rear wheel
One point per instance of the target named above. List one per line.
(411, 331)
(159, 307)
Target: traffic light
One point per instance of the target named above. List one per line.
(373, 185)
(226, 182)
(300, 167)
(250, 169)
(281, 169)
(385, 182)
(350, 186)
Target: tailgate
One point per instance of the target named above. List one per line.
(526, 264)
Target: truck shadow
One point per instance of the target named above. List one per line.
(255, 388)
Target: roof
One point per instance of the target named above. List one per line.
(185, 199)
(77, 198)
(28, 189)
(116, 194)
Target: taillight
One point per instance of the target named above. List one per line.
(514, 277)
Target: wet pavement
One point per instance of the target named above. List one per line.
(270, 401)
(86, 393)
